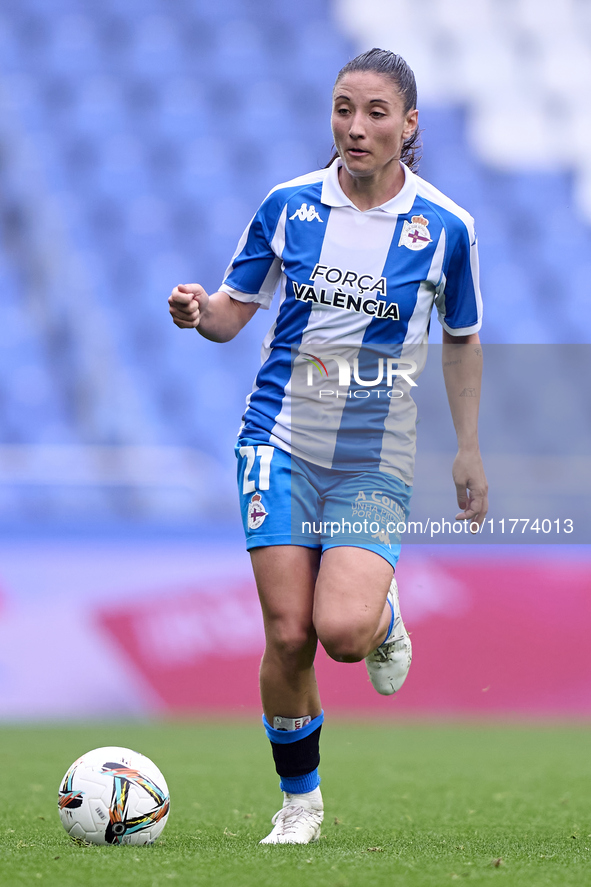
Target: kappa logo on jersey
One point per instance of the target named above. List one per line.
(415, 234)
(256, 512)
(306, 214)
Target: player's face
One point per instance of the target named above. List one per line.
(369, 124)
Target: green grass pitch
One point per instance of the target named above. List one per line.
(411, 804)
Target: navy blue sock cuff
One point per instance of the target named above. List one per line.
(299, 785)
(283, 737)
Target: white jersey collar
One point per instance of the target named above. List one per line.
(333, 194)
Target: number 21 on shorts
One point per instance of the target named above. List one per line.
(251, 454)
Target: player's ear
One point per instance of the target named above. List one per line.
(411, 121)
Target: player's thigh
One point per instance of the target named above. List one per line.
(279, 504)
(350, 593)
(286, 578)
(362, 514)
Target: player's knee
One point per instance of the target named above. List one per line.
(290, 640)
(344, 650)
(343, 645)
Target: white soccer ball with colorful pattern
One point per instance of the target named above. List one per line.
(113, 796)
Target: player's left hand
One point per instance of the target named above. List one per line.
(471, 486)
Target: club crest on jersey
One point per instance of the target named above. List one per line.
(415, 234)
(306, 214)
(256, 512)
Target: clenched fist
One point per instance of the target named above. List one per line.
(187, 302)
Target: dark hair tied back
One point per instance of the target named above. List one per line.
(381, 61)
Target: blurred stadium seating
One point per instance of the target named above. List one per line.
(136, 140)
(511, 140)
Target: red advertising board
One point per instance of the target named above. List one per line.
(490, 636)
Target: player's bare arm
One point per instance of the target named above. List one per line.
(462, 371)
(216, 317)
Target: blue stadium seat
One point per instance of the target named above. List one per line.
(158, 127)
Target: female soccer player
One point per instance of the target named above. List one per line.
(361, 251)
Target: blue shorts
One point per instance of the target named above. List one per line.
(285, 500)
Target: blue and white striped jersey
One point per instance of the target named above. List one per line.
(356, 288)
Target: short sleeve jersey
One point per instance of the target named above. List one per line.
(356, 279)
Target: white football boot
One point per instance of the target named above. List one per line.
(298, 821)
(388, 665)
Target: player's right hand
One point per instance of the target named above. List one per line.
(187, 302)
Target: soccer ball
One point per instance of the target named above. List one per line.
(113, 796)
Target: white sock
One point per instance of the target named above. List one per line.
(314, 797)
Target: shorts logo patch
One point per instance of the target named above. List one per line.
(415, 234)
(381, 512)
(256, 512)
